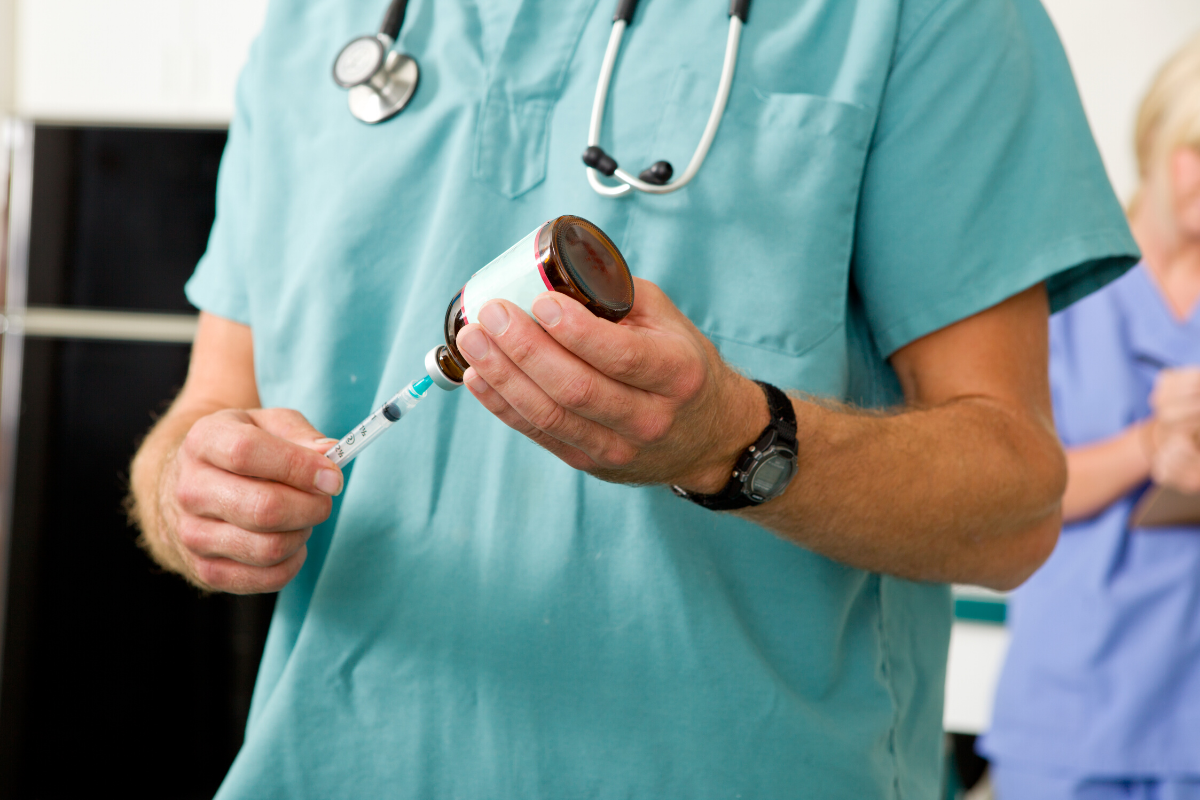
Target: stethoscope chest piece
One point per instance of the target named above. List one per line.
(381, 80)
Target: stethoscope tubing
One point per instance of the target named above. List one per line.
(630, 182)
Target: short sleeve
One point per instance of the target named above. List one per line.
(218, 285)
(982, 178)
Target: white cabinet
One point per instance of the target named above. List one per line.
(142, 62)
(977, 653)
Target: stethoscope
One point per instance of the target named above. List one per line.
(382, 81)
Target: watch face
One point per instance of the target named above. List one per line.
(771, 475)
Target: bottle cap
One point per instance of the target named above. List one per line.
(595, 266)
(440, 379)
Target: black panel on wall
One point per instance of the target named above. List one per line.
(115, 674)
(120, 215)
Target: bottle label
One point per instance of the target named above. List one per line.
(515, 275)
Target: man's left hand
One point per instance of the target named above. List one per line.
(646, 401)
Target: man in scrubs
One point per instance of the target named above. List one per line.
(899, 194)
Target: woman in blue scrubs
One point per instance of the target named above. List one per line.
(1100, 696)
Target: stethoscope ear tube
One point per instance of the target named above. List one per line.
(393, 19)
(740, 9)
(625, 10)
(599, 162)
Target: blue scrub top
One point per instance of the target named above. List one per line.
(1103, 675)
(479, 620)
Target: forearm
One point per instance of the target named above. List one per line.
(1100, 474)
(967, 491)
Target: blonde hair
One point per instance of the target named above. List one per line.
(1169, 118)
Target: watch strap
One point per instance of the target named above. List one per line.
(783, 413)
(781, 429)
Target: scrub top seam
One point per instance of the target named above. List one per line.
(902, 47)
(561, 79)
(836, 326)
(885, 658)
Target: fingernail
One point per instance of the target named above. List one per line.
(326, 440)
(473, 341)
(328, 481)
(547, 310)
(493, 317)
(475, 381)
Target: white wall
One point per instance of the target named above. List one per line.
(1116, 47)
(176, 61)
(132, 61)
(7, 59)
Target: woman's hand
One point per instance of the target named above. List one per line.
(1175, 429)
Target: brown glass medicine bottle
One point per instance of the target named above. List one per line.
(567, 254)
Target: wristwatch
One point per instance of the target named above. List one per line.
(766, 467)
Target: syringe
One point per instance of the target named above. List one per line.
(370, 428)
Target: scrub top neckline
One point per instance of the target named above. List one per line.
(1160, 296)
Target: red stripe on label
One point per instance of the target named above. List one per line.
(537, 238)
(545, 280)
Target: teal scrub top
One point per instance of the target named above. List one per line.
(478, 620)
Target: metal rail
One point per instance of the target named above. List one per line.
(16, 195)
(126, 326)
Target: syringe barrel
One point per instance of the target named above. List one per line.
(353, 442)
(383, 418)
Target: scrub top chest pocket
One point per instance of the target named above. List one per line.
(757, 250)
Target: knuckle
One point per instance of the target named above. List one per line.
(543, 440)
(690, 380)
(267, 510)
(520, 348)
(275, 577)
(210, 572)
(190, 533)
(188, 494)
(239, 450)
(284, 415)
(549, 417)
(579, 391)
(578, 460)
(197, 436)
(300, 466)
(617, 455)
(629, 362)
(290, 569)
(653, 428)
(274, 549)
(294, 466)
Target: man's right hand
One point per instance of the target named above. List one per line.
(237, 499)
